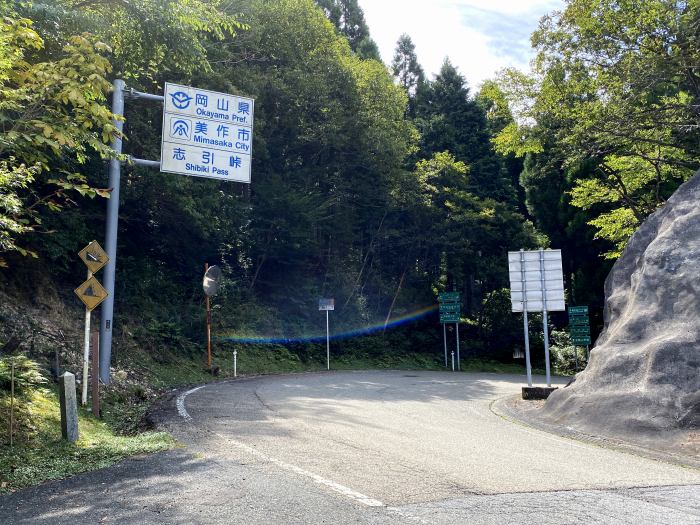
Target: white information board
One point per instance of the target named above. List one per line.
(206, 134)
(536, 276)
(327, 305)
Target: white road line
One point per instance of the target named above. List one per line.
(181, 403)
(337, 487)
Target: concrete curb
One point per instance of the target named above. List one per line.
(507, 408)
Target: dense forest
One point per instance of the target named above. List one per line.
(371, 183)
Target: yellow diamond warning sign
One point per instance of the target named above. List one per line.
(93, 256)
(91, 293)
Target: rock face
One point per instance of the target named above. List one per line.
(644, 372)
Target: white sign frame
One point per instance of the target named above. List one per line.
(536, 285)
(536, 280)
(207, 134)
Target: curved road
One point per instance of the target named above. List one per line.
(368, 447)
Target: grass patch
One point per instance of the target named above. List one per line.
(40, 454)
(272, 359)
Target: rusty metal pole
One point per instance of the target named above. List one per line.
(95, 348)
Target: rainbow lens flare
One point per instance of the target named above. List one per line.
(316, 338)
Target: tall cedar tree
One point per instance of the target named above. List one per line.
(450, 120)
(347, 16)
(406, 69)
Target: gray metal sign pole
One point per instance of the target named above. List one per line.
(459, 367)
(107, 321)
(328, 343)
(545, 323)
(111, 235)
(444, 340)
(528, 367)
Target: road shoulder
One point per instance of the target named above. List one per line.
(527, 413)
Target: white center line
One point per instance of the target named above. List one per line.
(337, 487)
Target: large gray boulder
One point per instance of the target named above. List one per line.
(644, 373)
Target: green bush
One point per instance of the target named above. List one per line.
(27, 374)
(562, 353)
(501, 330)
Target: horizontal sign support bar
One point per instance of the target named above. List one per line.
(144, 162)
(536, 306)
(534, 255)
(132, 93)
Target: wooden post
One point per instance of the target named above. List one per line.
(95, 350)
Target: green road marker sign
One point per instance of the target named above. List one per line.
(579, 326)
(449, 318)
(449, 307)
(450, 313)
(580, 330)
(448, 297)
(578, 310)
(578, 320)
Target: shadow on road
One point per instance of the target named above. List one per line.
(134, 491)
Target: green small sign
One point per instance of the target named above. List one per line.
(449, 317)
(579, 330)
(578, 320)
(581, 340)
(449, 307)
(448, 297)
(578, 310)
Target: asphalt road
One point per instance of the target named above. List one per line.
(365, 447)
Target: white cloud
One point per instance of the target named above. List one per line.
(479, 36)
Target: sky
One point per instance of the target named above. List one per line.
(480, 37)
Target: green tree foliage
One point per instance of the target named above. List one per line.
(148, 37)
(501, 330)
(347, 16)
(615, 84)
(458, 238)
(332, 139)
(494, 102)
(405, 67)
(53, 117)
(450, 120)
